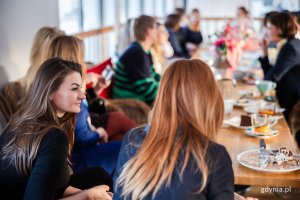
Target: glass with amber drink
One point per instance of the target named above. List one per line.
(268, 109)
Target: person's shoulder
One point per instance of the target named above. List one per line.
(131, 143)
(55, 136)
(133, 53)
(216, 150)
(213, 146)
(293, 43)
(136, 135)
(291, 46)
(133, 48)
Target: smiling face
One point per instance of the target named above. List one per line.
(68, 96)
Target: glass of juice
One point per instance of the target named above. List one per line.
(268, 109)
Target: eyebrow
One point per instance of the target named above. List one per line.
(75, 84)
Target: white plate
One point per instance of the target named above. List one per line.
(271, 133)
(251, 109)
(249, 102)
(254, 109)
(250, 159)
(235, 122)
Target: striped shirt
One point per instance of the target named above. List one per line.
(135, 76)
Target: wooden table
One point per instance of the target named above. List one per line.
(236, 142)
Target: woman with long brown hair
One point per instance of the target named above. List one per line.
(97, 136)
(176, 156)
(36, 144)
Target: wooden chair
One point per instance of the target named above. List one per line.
(135, 109)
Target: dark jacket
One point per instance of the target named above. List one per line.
(219, 186)
(178, 42)
(49, 175)
(286, 73)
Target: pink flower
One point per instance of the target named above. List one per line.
(220, 42)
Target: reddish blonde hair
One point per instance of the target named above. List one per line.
(187, 114)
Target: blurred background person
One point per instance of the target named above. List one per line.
(285, 68)
(242, 22)
(135, 76)
(192, 32)
(182, 15)
(13, 92)
(162, 49)
(177, 36)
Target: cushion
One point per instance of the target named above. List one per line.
(107, 92)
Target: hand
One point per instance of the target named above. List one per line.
(97, 81)
(99, 193)
(69, 191)
(264, 45)
(103, 134)
(239, 197)
(92, 78)
(93, 128)
(101, 85)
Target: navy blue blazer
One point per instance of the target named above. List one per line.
(219, 186)
(286, 73)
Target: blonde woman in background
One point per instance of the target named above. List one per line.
(162, 49)
(176, 156)
(38, 53)
(12, 93)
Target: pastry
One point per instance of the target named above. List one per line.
(246, 120)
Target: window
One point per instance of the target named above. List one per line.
(258, 8)
(134, 8)
(148, 8)
(109, 15)
(70, 16)
(91, 11)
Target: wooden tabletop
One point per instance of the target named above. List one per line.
(236, 142)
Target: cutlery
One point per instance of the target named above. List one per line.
(264, 154)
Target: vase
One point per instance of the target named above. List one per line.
(221, 61)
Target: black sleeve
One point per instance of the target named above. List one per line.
(265, 65)
(221, 181)
(286, 60)
(49, 172)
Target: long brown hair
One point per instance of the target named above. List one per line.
(187, 114)
(286, 23)
(37, 115)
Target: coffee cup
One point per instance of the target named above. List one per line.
(265, 86)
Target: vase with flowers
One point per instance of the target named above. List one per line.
(221, 48)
